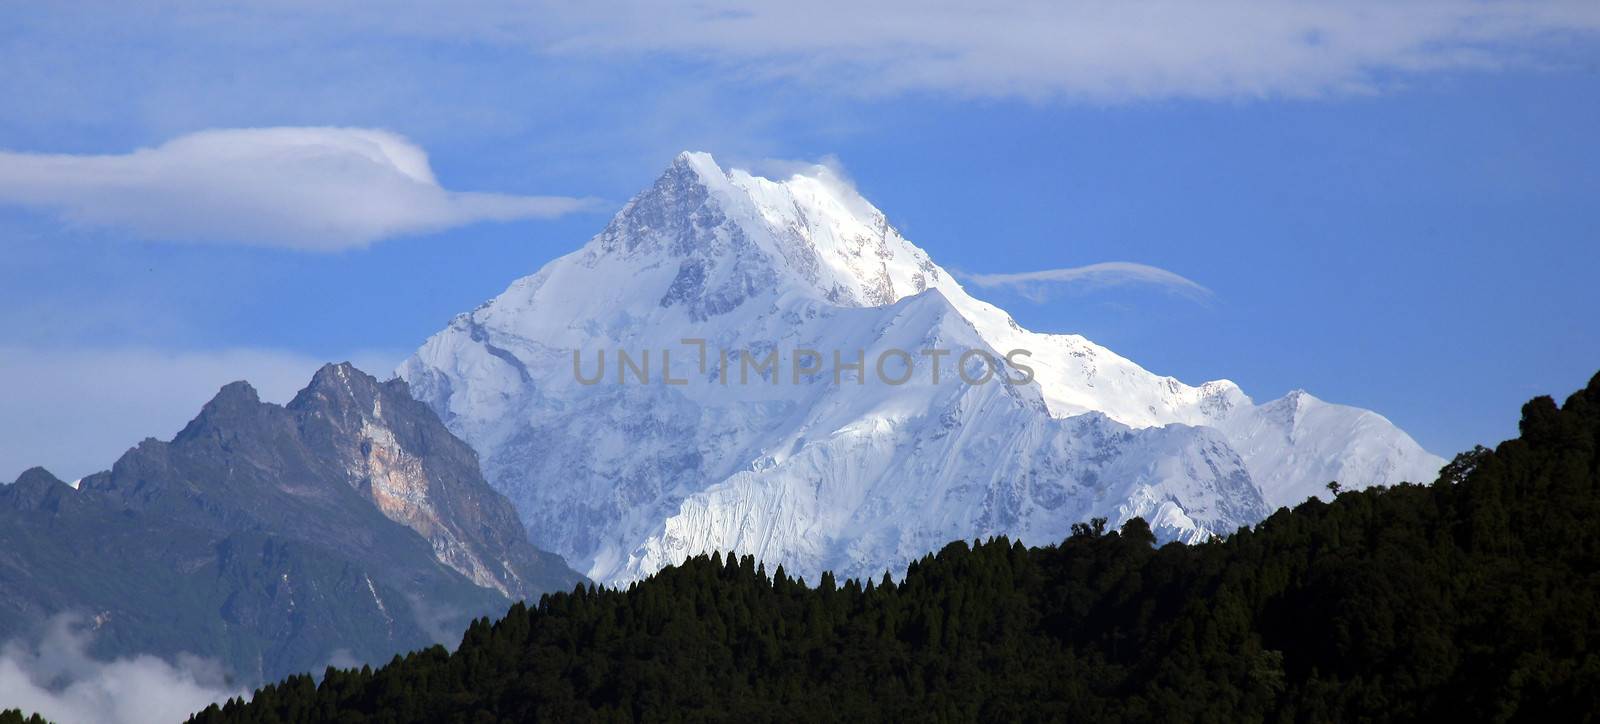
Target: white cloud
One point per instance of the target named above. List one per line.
(317, 189)
(59, 680)
(1101, 51)
(1036, 284)
(75, 411)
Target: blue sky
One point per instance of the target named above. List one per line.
(1392, 208)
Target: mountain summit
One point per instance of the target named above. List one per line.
(774, 387)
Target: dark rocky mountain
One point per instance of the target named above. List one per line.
(346, 525)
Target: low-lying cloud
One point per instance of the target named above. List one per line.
(57, 678)
(1037, 285)
(316, 189)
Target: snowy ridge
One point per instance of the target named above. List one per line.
(856, 475)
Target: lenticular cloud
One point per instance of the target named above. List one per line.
(318, 189)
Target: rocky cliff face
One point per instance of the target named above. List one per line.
(348, 522)
(395, 452)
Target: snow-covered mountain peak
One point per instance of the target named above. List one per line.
(839, 468)
(730, 231)
(720, 240)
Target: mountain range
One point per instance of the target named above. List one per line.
(347, 525)
(733, 364)
(798, 411)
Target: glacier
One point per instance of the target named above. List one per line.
(841, 469)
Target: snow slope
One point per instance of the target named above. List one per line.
(833, 467)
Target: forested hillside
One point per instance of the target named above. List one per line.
(1475, 598)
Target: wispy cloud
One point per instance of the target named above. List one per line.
(1037, 285)
(318, 189)
(60, 680)
(491, 67)
(1105, 52)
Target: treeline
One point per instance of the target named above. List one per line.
(1476, 598)
(15, 716)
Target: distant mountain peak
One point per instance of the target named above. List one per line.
(36, 489)
(341, 374)
(341, 385)
(233, 403)
(38, 477)
(235, 394)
